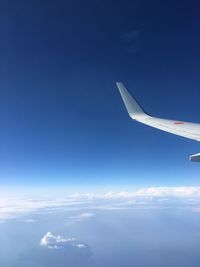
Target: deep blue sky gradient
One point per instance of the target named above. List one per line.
(61, 116)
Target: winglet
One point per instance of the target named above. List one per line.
(133, 108)
(195, 158)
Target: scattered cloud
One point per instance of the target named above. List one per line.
(86, 215)
(82, 216)
(57, 250)
(51, 241)
(80, 245)
(28, 220)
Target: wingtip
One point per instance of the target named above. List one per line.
(133, 108)
(119, 83)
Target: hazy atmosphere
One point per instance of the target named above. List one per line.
(148, 227)
(81, 184)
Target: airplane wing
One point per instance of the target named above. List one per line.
(185, 129)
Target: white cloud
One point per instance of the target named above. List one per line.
(86, 215)
(11, 208)
(190, 191)
(80, 246)
(82, 216)
(51, 241)
(28, 220)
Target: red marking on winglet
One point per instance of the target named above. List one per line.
(179, 122)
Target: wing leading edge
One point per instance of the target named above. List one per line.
(184, 129)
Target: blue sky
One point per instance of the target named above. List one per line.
(62, 120)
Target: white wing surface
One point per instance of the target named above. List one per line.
(185, 129)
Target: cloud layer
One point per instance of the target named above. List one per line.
(85, 204)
